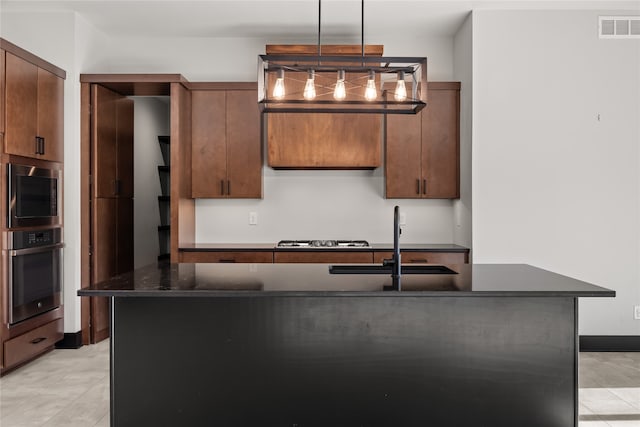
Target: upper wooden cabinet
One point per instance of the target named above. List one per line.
(423, 150)
(34, 110)
(2, 82)
(226, 143)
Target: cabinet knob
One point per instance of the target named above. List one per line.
(418, 186)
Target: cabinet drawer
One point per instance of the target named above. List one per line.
(424, 257)
(25, 346)
(228, 256)
(323, 257)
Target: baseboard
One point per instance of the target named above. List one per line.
(71, 340)
(609, 342)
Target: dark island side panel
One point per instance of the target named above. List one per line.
(286, 361)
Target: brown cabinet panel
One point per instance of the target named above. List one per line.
(226, 144)
(301, 140)
(21, 90)
(112, 143)
(32, 343)
(209, 147)
(423, 151)
(410, 257)
(440, 151)
(105, 243)
(104, 140)
(244, 145)
(51, 115)
(228, 256)
(323, 257)
(403, 169)
(2, 83)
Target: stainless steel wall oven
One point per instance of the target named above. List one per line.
(34, 272)
(33, 196)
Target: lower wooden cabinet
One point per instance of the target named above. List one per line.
(24, 347)
(323, 257)
(228, 256)
(410, 257)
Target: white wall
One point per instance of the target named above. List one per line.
(463, 72)
(556, 159)
(151, 118)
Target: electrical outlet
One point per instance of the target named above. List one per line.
(636, 312)
(253, 218)
(403, 218)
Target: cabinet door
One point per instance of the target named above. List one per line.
(244, 145)
(427, 257)
(2, 82)
(403, 168)
(21, 80)
(441, 144)
(208, 151)
(104, 140)
(124, 139)
(228, 257)
(51, 115)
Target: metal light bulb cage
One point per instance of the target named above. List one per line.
(357, 68)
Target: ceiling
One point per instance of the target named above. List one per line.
(280, 19)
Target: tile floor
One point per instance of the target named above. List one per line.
(72, 389)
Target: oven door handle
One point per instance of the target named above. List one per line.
(37, 250)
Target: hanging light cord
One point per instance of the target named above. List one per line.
(362, 28)
(319, 15)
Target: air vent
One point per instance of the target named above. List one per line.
(619, 27)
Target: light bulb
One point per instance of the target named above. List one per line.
(340, 93)
(370, 93)
(401, 91)
(309, 87)
(278, 89)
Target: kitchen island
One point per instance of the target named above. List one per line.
(292, 345)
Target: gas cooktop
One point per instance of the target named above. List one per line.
(323, 244)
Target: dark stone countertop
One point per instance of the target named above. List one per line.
(266, 247)
(291, 280)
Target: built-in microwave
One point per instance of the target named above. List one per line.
(33, 196)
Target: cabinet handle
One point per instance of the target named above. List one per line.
(423, 260)
(38, 340)
(424, 186)
(42, 145)
(39, 145)
(418, 186)
(227, 261)
(228, 188)
(116, 187)
(222, 187)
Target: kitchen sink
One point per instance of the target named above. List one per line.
(386, 269)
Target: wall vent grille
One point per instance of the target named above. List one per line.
(619, 27)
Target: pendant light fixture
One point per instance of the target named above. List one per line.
(354, 88)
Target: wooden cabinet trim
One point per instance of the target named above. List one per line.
(223, 86)
(30, 57)
(327, 49)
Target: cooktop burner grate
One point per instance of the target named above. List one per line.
(323, 244)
